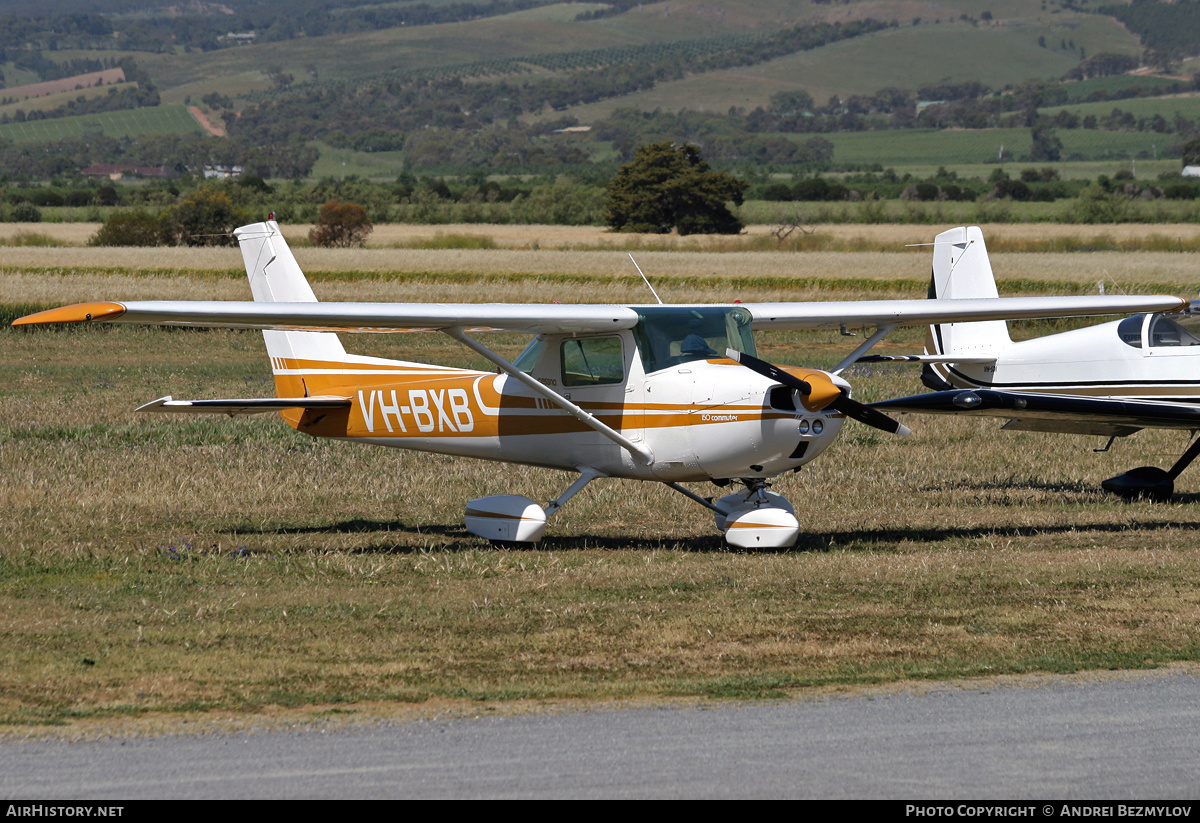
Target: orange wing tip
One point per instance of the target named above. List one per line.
(78, 313)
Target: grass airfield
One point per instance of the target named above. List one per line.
(162, 574)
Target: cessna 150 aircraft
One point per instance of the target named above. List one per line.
(1112, 379)
(666, 393)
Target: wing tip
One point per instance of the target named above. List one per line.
(77, 313)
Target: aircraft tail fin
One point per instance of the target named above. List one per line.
(961, 269)
(275, 277)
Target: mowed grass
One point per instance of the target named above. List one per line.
(164, 568)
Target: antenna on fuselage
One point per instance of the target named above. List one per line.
(643, 274)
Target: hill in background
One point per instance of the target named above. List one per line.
(454, 88)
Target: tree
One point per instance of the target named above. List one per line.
(1191, 152)
(128, 228)
(668, 186)
(341, 224)
(1045, 145)
(207, 218)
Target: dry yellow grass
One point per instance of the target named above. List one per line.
(55, 276)
(165, 565)
(882, 236)
(73, 234)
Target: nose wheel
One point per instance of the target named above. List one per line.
(757, 518)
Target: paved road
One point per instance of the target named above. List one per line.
(1117, 738)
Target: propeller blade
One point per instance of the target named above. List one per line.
(770, 371)
(870, 416)
(843, 403)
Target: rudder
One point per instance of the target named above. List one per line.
(275, 277)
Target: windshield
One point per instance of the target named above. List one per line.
(1181, 329)
(527, 360)
(668, 336)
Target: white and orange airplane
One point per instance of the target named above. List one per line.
(663, 393)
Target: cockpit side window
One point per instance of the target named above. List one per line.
(670, 336)
(1130, 330)
(592, 361)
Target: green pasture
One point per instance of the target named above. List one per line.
(342, 163)
(14, 76)
(53, 101)
(1146, 169)
(931, 147)
(363, 54)
(1168, 107)
(128, 123)
(1080, 90)
(907, 56)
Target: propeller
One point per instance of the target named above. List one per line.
(824, 395)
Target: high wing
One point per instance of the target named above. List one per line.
(580, 318)
(1030, 411)
(349, 317)
(882, 313)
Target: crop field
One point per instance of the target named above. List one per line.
(157, 572)
(929, 147)
(52, 101)
(349, 56)
(1186, 105)
(127, 123)
(908, 56)
(1080, 90)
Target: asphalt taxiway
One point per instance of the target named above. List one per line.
(1127, 736)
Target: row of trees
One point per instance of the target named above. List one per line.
(182, 154)
(150, 27)
(208, 218)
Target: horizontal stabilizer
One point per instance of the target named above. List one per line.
(1071, 413)
(248, 405)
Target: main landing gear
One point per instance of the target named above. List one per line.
(513, 518)
(1150, 481)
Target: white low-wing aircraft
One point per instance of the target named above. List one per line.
(1112, 379)
(666, 393)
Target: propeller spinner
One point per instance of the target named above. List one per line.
(819, 392)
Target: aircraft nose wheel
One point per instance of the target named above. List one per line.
(756, 518)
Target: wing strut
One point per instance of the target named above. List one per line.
(866, 346)
(640, 453)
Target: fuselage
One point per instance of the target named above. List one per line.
(701, 416)
(1146, 356)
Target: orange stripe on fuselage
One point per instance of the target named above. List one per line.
(466, 404)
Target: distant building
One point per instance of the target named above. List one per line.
(573, 130)
(116, 172)
(222, 172)
(1191, 171)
